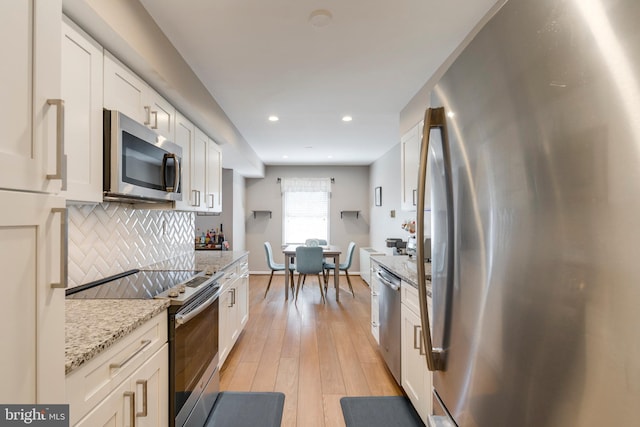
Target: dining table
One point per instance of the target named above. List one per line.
(328, 251)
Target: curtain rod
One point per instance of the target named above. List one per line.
(279, 180)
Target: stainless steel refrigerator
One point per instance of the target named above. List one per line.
(533, 147)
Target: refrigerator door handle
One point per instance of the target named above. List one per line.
(434, 119)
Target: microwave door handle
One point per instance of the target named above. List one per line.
(176, 177)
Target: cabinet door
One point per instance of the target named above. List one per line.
(410, 155)
(82, 66)
(214, 177)
(185, 138)
(114, 411)
(31, 233)
(225, 326)
(242, 299)
(150, 385)
(198, 168)
(161, 115)
(416, 377)
(124, 91)
(31, 147)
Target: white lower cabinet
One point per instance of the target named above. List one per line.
(125, 385)
(375, 308)
(140, 401)
(32, 261)
(416, 377)
(234, 306)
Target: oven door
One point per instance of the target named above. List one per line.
(193, 353)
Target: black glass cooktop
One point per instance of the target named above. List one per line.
(134, 284)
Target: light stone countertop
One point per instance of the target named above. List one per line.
(404, 267)
(209, 261)
(92, 326)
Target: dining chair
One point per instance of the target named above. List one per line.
(274, 266)
(343, 266)
(314, 243)
(309, 261)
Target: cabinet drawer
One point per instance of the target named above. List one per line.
(409, 297)
(91, 383)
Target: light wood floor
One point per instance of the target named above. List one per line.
(313, 353)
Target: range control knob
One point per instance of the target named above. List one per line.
(173, 293)
(182, 288)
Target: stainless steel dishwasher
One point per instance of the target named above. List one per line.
(390, 320)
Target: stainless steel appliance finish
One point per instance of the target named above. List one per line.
(390, 319)
(535, 159)
(193, 352)
(138, 163)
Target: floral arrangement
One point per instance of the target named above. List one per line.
(409, 225)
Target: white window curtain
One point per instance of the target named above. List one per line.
(309, 185)
(306, 209)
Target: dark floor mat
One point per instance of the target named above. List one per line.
(238, 409)
(379, 411)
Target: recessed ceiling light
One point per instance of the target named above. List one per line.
(329, 156)
(451, 114)
(320, 18)
(285, 157)
(347, 118)
(273, 118)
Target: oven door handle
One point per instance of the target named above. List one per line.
(181, 319)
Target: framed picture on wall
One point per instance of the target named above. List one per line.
(378, 196)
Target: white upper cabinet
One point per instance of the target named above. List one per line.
(185, 138)
(201, 169)
(31, 114)
(126, 92)
(410, 156)
(82, 68)
(214, 177)
(123, 90)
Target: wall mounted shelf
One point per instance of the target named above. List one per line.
(357, 213)
(261, 212)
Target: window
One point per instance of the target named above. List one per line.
(305, 203)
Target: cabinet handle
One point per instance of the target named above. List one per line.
(61, 158)
(418, 346)
(233, 297)
(212, 199)
(143, 413)
(143, 345)
(414, 196)
(198, 197)
(195, 197)
(374, 324)
(64, 247)
(147, 121)
(132, 406)
(155, 121)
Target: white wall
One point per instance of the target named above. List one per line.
(385, 172)
(349, 192)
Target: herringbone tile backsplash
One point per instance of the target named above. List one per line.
(110, 238)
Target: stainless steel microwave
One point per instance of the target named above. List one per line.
(139, 164)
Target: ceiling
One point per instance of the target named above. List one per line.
(366, 59)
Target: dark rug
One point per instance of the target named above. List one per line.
(379, 411)
(238, 409)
